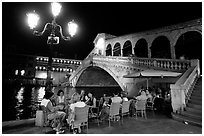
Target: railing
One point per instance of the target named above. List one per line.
(164, 64)
(181, 90)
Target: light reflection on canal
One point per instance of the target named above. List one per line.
(21, 102)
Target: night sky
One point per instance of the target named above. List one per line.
(116, 18)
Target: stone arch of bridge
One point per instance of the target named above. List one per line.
(196, 29)
(189, 43)
(109, 71)
(117, 49)
(141, 48)
(160, 47)
(127, 48)
(109, 50)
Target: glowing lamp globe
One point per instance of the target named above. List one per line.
(33, 19)
(72, 28)
(56, 8)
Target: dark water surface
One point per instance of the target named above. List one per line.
(21, 102)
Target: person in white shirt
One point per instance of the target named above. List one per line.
(61, 99)
(124, 97)
(143, 96)
(116, 99)
(76, 103)
(53, 112)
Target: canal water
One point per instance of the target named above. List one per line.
(21, 102)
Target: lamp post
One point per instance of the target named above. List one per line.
(33, 19)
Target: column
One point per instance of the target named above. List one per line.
(149, 50)
(173, 54)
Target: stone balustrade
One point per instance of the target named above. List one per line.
(163, 64)
(180, 91)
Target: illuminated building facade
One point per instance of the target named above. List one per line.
(61, 68)
(28, 69)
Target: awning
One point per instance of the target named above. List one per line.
(152, 73)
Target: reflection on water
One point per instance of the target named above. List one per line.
(21, 102)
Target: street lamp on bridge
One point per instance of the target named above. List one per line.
(33, 19)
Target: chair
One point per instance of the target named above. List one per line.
(45, 115)
(94, 113)
(114, 111)
(81, 117)
(150, 103)
(125, 108)
(140, 106)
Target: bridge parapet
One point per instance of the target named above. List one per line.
(145, 63)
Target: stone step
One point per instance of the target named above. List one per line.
(191, 115)
(197, 90)
(185, 120)
(198, 107)
(197, 94)
(196, 98)
(194, 101)
(194, 111)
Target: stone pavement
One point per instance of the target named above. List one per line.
(154, 124)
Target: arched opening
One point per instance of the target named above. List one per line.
(161, 48)
(109, 50)
(98, 81)
(189, 46)
(127, 48)
(117, 50)
(141, 48)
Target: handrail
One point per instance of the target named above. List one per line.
(181, 90)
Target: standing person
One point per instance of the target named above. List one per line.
(91, 101)
(53, 113)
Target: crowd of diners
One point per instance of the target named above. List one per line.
(62, 110)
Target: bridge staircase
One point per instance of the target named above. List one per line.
(192, 113)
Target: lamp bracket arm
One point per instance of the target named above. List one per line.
(63, 37)
(36, 33)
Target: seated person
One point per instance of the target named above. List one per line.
(91, 101)
(116, 99)
(53, 113)
(102, 100)
(142, 96)
(104, 113)
(149, 95)
(124, 97)
(61, 99)
(83, 97)
(76, 103)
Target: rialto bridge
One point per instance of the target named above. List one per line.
(176, 48)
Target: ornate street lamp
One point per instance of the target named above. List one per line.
(33, 19)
